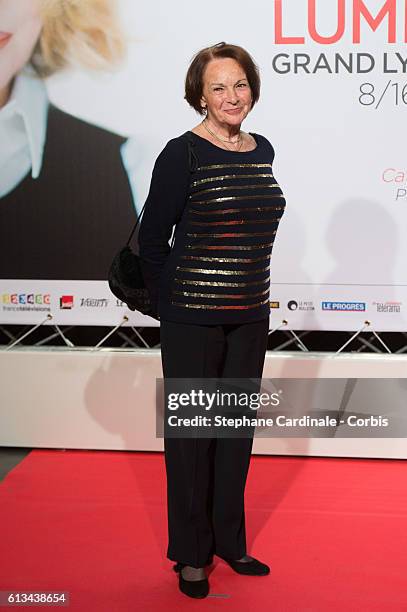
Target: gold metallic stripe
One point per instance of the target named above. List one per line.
(228, 187)
(226, 211)
(227, 272)
(226, 259)
(215, 307)
(226, 296)
(240, 234)
(212, 179)
(240, 247)
(236, 222)
(198, 283)
(268, 196)
(217, 166)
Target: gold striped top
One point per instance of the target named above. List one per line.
(219, 268)
(238, 205)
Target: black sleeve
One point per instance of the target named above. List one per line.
(260, 137)
(164, 206)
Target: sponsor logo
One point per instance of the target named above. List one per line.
(66, 302)
(94, 302)
(274, 304)
(344, 306)
(26, 301)
(300, 305)
(387, 306)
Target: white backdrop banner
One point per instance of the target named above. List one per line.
(92, 303)
(334, 105)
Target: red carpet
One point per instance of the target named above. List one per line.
(93, 523)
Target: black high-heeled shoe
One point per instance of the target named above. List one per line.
(198, 589)
(248, 568)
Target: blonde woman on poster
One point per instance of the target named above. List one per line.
(65, 201)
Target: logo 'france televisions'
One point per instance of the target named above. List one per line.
(66, 302)
(344, 306)
(26, 298)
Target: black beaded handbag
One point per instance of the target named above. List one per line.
(125, 276)
(126, 280)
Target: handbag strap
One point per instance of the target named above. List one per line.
(193, 165)
(135, 225)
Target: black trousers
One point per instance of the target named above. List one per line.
(206, 477)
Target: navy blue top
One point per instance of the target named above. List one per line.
(226, 215)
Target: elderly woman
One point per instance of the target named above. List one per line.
(65, 199)
(211, 294)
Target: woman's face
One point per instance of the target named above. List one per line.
(20, 27)
(226, 92)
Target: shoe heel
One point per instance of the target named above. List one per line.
(198, 589)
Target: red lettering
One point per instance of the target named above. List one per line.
(326, 40)
(387, 12)
(388, 171)
(405, 21)
(389, 9)
(279, 38)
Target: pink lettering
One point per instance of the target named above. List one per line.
(389, 8)
(326, 40)
(279, 37)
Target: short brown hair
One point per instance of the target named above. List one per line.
(194, 78)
